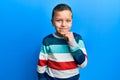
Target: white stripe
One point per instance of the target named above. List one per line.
(43, 56)
(58, 36)
(41, 69)
(84, 50)
(62, 73)
(85, 62)
(61, 57)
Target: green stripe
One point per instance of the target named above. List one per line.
(75, 49)
(59, 49)
(45, 49)
(81, 44)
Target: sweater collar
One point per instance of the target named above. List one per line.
(56, 36)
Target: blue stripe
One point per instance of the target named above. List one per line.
(78, 56)
(42, 76)
(77, 37)
(51, 40)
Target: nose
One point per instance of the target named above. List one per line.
(63, 24)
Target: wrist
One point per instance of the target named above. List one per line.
(72, 43)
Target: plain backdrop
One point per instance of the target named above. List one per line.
(24, 23)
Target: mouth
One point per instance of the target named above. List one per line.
(63, 29)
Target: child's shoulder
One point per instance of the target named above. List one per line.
(49, 36)
(77, 36)
(47, 39)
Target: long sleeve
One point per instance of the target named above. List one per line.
(78, 52)
(42, 63)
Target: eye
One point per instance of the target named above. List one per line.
(68, 20)
(58, 20)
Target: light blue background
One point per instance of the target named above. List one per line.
(24, 23)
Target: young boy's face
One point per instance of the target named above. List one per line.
(62, 21)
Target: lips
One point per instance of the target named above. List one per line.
(63, 29)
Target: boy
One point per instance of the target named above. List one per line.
(62, 53)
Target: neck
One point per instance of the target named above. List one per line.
(58, 34)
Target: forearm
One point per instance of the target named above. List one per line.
(78, 54)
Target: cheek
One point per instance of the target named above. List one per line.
(57, 25)
(53, 23)
(69, 25)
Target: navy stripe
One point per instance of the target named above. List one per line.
(51, 40)
(79, 56)
(77, 37)
(41, 76)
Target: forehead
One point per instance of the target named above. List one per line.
(64, 13)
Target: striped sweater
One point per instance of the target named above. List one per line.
(61, 60)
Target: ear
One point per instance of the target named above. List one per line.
(52, 22)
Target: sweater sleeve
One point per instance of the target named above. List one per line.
(42, 62)
(78, 52)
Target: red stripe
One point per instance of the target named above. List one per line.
(86, 56)
(62, 65)
(42, 62)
